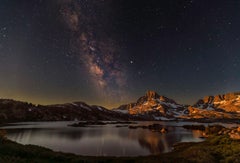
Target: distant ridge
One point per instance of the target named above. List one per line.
(151, 106)
(15, 111)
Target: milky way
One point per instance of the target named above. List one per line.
(99, 53)
(110, 52)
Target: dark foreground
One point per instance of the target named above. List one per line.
(215, 149)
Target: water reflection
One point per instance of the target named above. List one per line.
(101, 140)
(152, 142)
(197, 133)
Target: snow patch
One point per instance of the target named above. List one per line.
(158, 100)
(85, 107)
(184, 112)
(177, 113)
(74, 104)
(99, 108)
(122, 111)
(168, 104)
(161, 118)
(172, 105)
(210, 108)
(60, 106)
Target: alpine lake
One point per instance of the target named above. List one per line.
(104, 140)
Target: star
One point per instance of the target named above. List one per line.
(98, 49)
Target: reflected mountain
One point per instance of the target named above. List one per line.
(106, 140)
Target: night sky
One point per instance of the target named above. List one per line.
(110, 52)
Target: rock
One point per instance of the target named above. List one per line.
(235, 136)
(194, 127)
(214, 129)
(133, 127)
(238, 129)
(152, 95)
(87, 123)
(226, 132)
(163, 130)
(204, 134)
(233, 131)
(121, 126)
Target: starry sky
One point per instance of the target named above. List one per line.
(110, 52)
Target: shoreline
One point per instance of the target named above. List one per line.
(182, 152)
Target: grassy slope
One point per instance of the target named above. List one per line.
(215, 149)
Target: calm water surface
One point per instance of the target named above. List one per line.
(106, 140)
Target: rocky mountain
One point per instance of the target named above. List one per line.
(225, 106)
(151, 106)
(11, 111)
(229, 102)
(155, 107)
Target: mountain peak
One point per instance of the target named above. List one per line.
(152, 94)
(154, 106)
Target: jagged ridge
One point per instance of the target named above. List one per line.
(158, 107)
(229, 102)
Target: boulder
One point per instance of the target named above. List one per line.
(163, 130)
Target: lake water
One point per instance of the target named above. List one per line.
(106, 140)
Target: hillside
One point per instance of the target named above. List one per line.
(12, 111)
